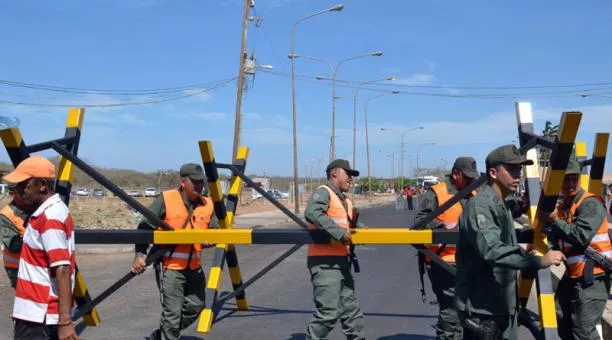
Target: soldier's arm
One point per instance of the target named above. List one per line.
(485, 237)
(157, 208)
(588, 219)
(428, 203)
(10, 235)
(316, 213)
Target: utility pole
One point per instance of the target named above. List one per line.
(240, 80)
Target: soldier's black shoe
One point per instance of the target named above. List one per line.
(156, 335)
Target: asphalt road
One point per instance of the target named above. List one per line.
(280, 302)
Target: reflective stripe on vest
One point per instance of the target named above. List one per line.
(576, 261)
(450, 215)
(11, 260)
(176, 215)
(338, 214)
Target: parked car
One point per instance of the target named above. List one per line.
(99, 193)
(82, 192)
(134, 193)
(151, 192)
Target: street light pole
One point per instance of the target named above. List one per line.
(417, 157)
(402, 133)
(332, 151)
(295, 155)
(368, 142)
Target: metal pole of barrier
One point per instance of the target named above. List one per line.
(111, 187)
(67, 140)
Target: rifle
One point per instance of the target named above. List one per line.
(601, 260)
(352, 256)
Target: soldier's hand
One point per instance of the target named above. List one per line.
(347, 238)
(450, 225)
(207, 245)
(552, 257)
(138, 265)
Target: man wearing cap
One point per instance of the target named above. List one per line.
(578, 222)
(12, 226)
(331, 210)
(43, 296)
(443, 283)
(180, 276)
(488, 255)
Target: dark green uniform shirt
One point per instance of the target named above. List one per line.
(488, 257)
(10, 234)
(587, 220)
(316, 211)
(429, 202)
(158, 207)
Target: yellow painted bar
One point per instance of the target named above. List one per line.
(235, 275)
(600, 148)
(571, 121)
(195, 236)
(206, 319)
(11, 137)
(206, 150)
(548, 311)
(581, 154)
(553, 182)
(392, 236)
(75, 118)
(214, 281)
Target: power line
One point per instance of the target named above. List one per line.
(150, 100)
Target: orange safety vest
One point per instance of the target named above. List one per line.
(450, 215)
(341, 216)
(11, 260)
(176, 217)
(576, 260)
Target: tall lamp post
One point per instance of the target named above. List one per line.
(402, 134)
(335, 8)
(368, 142)
(355, 97)
(417, 156)
(333, 138)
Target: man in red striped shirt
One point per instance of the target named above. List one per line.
(43, 296)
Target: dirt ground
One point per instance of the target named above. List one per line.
(112, 213)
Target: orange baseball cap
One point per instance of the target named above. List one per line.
(31, 167)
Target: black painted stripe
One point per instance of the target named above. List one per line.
(597, 167)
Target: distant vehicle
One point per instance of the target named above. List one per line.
(134, 193)
(151, 192)
(82, 192)
(427, 181)
(98, 193)
(278, 194)
(3, 188)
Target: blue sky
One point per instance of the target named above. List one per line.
(152, 44)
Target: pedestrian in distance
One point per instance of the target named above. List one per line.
(331, 210)
(13, 219)
(179, 273)
(463, 172)
(488, 254)
(45, 283)
(579, 222)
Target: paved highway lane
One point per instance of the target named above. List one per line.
(281, 302)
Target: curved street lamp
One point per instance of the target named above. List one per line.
(367, 140)
(335, 8)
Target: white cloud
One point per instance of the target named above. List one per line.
(416, 79)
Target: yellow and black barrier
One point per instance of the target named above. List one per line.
(18, 151)
(263, 236)
(223, 251)
(598, 161)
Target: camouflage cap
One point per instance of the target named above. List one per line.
(467, 165)
(573, 168)
(506, 154)
(193, 171)
(343, 164)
